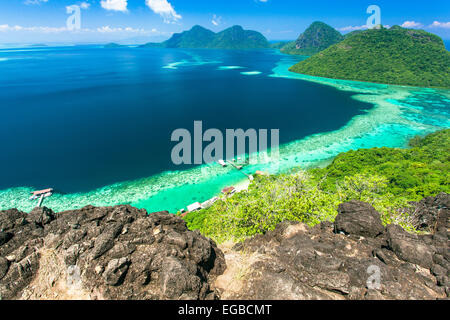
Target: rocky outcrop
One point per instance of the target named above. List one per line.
(104, 253)
(358, 218)
(123, 253)
(425, 213)
(355, 258)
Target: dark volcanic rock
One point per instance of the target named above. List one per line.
(5, 237)
(41, 216)
(426, 212)
(11, 219)
(358, 218)
(4, 265)
(298, 262)
(104, 253)
(409, 247)
(116, 270)
(123, 253)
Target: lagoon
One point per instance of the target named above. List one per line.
(95, 123)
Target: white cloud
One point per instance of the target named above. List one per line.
(5, 28)
(437, 24)
(216, 20)
(108, 29)
(115, 5)
(32, 2)
(164, 9)
(103, 30)
(352, 28)
(411, 24)
(85, 5)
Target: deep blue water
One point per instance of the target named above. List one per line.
(78, 118)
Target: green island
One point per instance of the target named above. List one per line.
(113, 45)
(387, 178)
(201, 38)
(279, 44)
(394, 56)
(318, 37)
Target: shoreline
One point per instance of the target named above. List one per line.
(391, 122)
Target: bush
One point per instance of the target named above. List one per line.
(386, 178)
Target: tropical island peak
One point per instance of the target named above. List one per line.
(317, 37)
(198, 37)
(396, 56)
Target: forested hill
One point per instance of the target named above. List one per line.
(391, 56)
(319, 36)
(198, 37)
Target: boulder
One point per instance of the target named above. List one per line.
(11, 219)
(4, 266)
(5, 237)
(426, 212)
(358, 218)
(41, 216)
(109, 253)
(116, 270)
(408, 247)
(298, 262)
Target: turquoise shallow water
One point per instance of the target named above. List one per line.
(399, 113)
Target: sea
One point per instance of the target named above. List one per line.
(95, 123)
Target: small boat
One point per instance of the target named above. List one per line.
(41, 195)
(194, 207)
(45, 193)
(229, 190)
(207, 204)
(222, 163)
(261, 173)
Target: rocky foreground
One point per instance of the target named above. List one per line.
(123, 253)
(104, 253)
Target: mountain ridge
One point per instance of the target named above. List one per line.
(198, 37)
(394, 56)
(317, 37)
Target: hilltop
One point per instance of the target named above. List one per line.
(391, 56)
(309, 235)
(122, 253)
(113, 45)
(201, 38)
(319, 36)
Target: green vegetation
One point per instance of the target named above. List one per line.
(414, 173)
(113, 45)
(290, 48)
(201, 38)
(390, 56)
(319, 36)
(348, 35)
(278, 45)
(386, 178)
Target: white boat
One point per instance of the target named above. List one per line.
(41, 195)
(194, 207)
(222, 163)
(209, 203)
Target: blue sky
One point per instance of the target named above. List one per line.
(31, 21)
